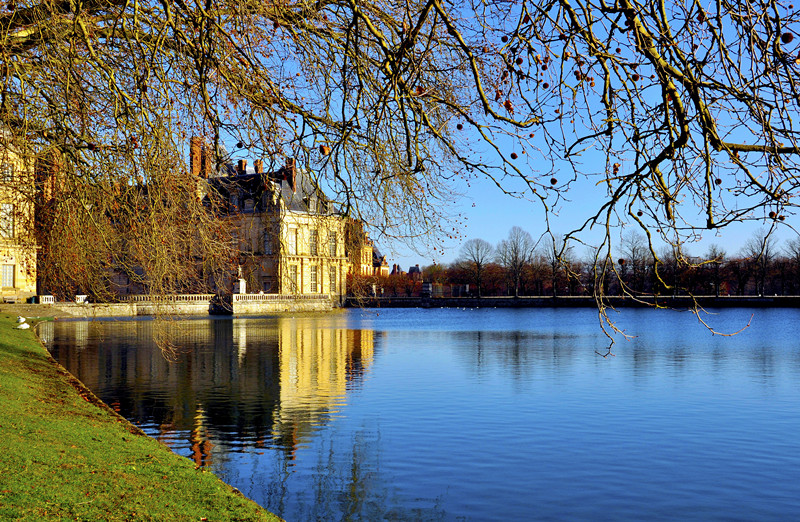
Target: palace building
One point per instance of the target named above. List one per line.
(291, 237)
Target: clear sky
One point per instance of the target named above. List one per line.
(494, 213)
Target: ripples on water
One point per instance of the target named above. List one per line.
(468, 414)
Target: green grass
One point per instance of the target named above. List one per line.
(64, 455)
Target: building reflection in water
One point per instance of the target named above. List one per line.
(237, 383)
(316, 365)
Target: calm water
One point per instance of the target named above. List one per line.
(469, 414)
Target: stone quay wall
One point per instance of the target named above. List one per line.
(197, 305)
(257, 304)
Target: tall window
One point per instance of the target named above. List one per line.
(7, 220)
(8, 275)
(267, 245)
(312, 242)
(292, 241)
(293, 278)
(332, 279)
(332, 243)
(6, 172)
(313, 275)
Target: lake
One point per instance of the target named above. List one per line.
(477, 414)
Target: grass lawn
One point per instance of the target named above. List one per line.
(69, 457)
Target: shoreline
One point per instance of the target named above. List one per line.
(89, 311)
(676, 302)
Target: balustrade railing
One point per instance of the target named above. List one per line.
(266, 298)
(179, 298)
(201, 298)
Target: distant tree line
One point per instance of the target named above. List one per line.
(521, 265)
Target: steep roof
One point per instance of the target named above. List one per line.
(295, 187)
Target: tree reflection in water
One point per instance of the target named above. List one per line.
(240, 383)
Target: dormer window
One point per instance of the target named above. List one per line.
(6, 172)
(7, 220)
(248, 205)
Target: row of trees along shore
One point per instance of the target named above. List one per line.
(521, 265)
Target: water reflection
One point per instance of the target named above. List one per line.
(237, 383)
(316, 368)
(468, 414)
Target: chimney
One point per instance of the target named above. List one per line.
(291, 174)
(242, 168)
(195, 155)
(258, 165)
(205, 162)
(46, 170)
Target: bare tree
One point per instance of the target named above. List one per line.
(715, 257)
(475, 255)
(760, 250)
(559, 253)
(792, 250)
(515, 254)
(634, 251)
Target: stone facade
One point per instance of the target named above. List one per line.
(17, 245)
(291, 239)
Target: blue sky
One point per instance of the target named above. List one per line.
(494, 213)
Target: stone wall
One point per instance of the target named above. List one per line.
(242, 304)
(258, 304)
(90, 310)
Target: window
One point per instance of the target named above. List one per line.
(333, 280)
(267, 245)
(266, 284)
(249, 204)
(292, 241)
(313, 274)
(8, 275)
(6, 172)
(7, 220)
(293, 279)
(332, 243)
(235, 237)
(312, 242)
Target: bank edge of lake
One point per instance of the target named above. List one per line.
(68, 455)
(676, 302)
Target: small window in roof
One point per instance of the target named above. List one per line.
(6, 173)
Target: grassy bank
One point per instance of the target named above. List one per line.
(67, 456)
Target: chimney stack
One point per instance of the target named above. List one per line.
(195, 155)
(242, 168)
(258, 165)
(205, 162)
(291, 174)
